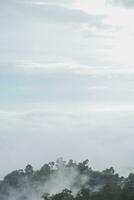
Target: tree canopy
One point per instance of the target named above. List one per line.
(80, 180)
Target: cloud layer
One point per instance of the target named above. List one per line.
(101, 132)
(66, 80)
(125, 3)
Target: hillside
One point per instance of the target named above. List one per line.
(62, 180)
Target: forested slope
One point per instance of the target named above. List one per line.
(62, 180)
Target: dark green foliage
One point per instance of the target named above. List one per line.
(71, 163)
(83, 194)
(105, 185)
(64, 195)
(83, 166)
(46, 196)
(29, 170)
(13, 179)
(108, 192)
(45, 170)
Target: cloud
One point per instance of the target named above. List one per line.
(75, 68)
(124, 3)
(97, 87)
(48, 1)
(63, 14)
(31, 66)
(47, 127)
(55, 11)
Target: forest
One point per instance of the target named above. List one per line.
(63, 180)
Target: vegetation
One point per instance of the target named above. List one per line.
(84, 184)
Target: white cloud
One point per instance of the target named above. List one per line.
(97, 87)
(47, 127)
(61, 13)
(125, 3)
(61, 109)
(74, 68)
(60, 37)
(94, 7)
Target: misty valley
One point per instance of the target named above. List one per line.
(63, 180)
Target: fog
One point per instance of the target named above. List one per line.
(66, 83)
(63, 178)
(36, 135)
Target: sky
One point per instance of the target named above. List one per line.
(67, 83)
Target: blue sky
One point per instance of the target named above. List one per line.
(66, 80)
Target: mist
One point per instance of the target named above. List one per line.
(42, 134)
(66, 90)
(36, 183)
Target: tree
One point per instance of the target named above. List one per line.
(29, 170)
(84, 194)
(45, 170)
(51, 164)
(46, 196)
(64, 195)
(108, 192)
(128, 189)
(71, 164)
(14, 178)
(83, 166)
